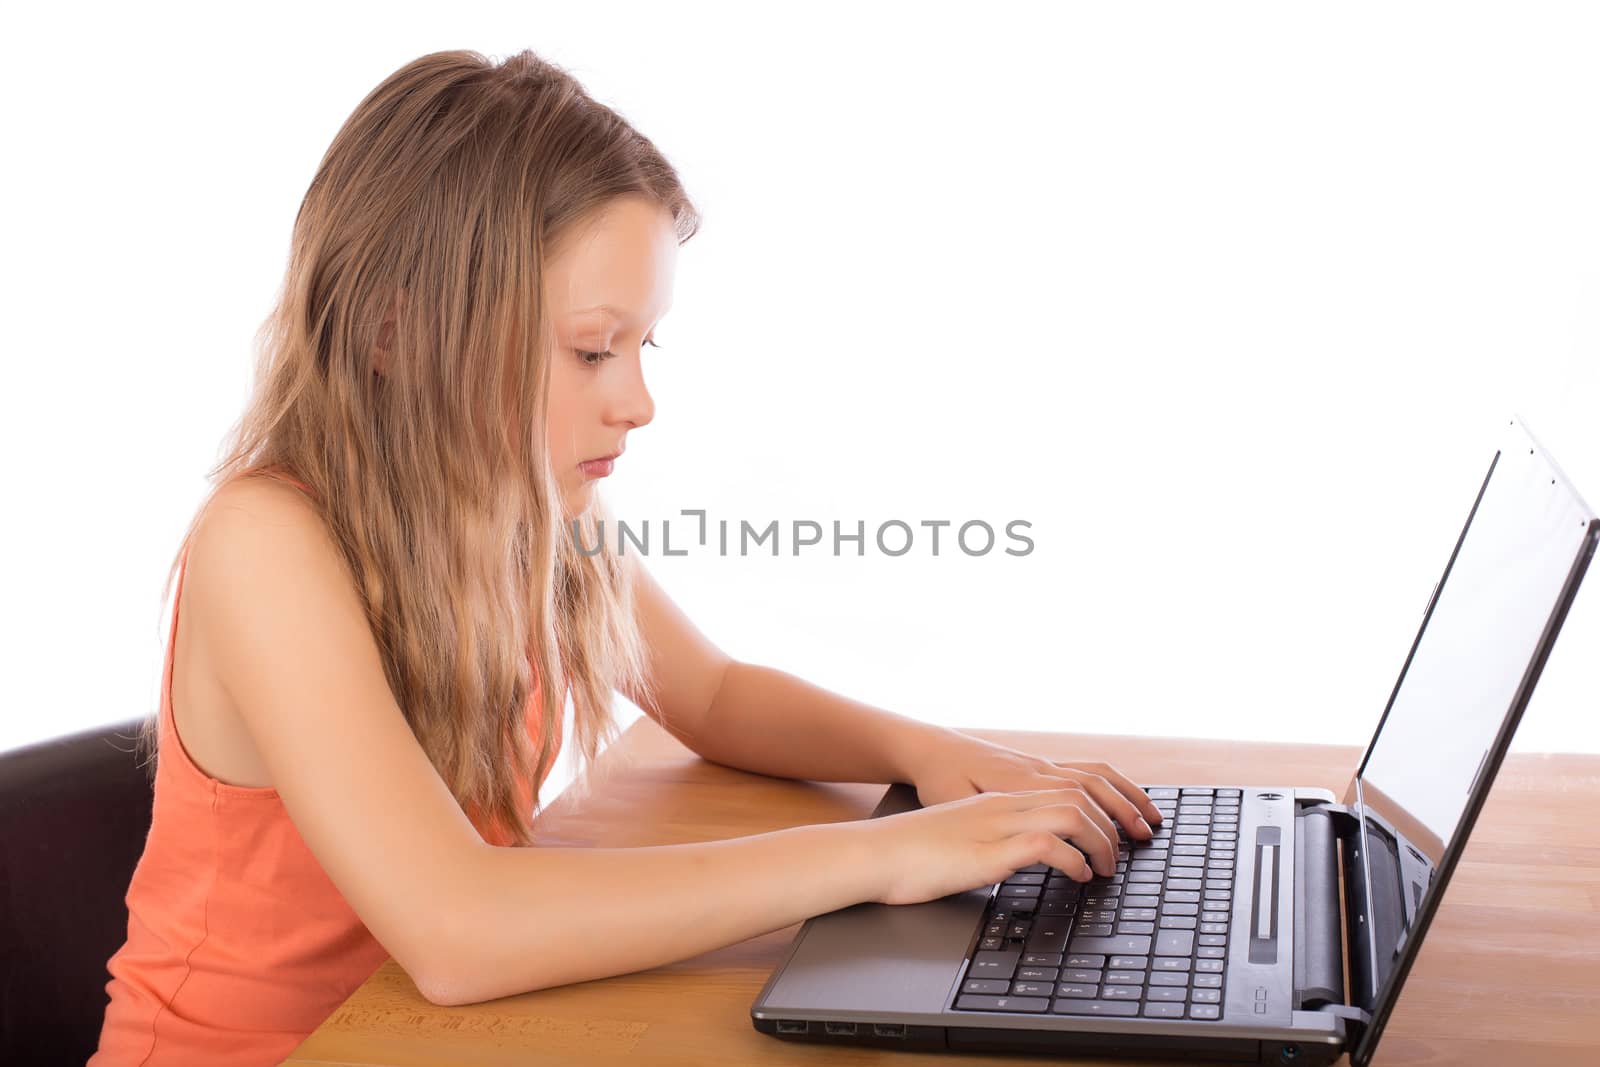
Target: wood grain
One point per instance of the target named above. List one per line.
(1510, 971)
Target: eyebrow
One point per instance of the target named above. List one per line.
(607, 308)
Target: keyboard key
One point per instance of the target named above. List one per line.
(1128, 963)
(1169, 978)
(1078, 990)
(1079, 959)
(1096, 1007)
(1121, 992)
(1045, 959)
(1207, 981)
(1166, 992)
(1136, 928)
(993, 965)
(1177, 922)
(1213, 928)
(1082, 975)
(1026, 878)
(1205, 996)
(1175, 943)
(992, 943)
(1213, 966)
(1213, 939)
(1042, 974)
(1032, 989)
(1163, 1011)
(995, 986)
(1205, 1011)
(1124, 978)
(1179, 908)
(1210, 952)
(977, 1003)
(1172, 963)
(1127, 945)
(1182, 896)
(1049, 934)
(1094, 929)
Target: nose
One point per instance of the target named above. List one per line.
(632, 403)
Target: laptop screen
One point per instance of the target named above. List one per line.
(1484, 639)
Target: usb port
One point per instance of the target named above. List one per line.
(889, 1029)
(840, 1028)
(791, 1026)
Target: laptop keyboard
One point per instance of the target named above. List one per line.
(1150, 941)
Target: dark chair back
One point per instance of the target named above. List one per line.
(74, 812)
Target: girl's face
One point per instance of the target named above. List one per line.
(605, 290)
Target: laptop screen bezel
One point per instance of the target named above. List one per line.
(1385, 997)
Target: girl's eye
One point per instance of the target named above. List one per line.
(596, 358)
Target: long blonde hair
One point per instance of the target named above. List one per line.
(450, 183)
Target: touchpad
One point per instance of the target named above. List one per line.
(881, 957)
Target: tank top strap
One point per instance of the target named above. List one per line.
(283, 476)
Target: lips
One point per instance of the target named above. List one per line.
(599, 467)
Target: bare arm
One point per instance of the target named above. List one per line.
(284, 626)
(759, 718)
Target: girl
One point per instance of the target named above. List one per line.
(385, 613)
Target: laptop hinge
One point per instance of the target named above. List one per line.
(1356, 1022)
(1341, 822)
(1319, 948)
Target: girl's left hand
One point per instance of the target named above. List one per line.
(953, 765)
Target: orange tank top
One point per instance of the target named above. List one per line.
(239, 945)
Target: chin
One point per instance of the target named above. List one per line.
(576, 502)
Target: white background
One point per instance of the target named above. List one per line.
(1228, 301)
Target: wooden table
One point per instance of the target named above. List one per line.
(1509, 974)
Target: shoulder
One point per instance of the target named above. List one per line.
(254, 520)
(261, 562)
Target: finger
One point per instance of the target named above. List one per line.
(1125, 786)
(1072, 822)
(1115, 804)
(1077, 794)
(1042, 846)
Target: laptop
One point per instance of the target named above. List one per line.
(1224, 937)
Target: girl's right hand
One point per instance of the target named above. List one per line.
(982, 839)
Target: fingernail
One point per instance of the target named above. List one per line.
(1145, 826)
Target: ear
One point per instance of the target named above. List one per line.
(386, 331)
